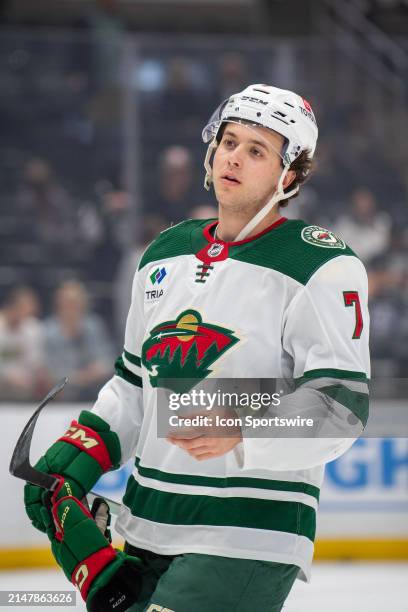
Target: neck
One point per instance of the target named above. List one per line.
(230, 223)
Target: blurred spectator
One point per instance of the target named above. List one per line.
(150, 228)
(107, 227)
(176, 186)
(47, 211)
(21, 347)
(179, 104)
(366, 230)
(388, 329)
(77, 344)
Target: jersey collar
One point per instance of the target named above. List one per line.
(207, 232)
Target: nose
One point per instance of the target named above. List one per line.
(234, 157)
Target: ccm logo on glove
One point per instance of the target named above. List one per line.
(75, 432)
(84, 574)
(88, 440)
(64, 516)
(80, 576)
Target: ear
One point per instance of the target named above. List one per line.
(289, 178)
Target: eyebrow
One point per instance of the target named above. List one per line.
(252, 141)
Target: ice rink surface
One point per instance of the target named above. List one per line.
(335, 587)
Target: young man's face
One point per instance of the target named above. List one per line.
(246, 167)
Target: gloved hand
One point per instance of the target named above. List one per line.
(101, 515)
(108, 579)
(86, 451)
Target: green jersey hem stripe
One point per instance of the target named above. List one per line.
(332, 373)
(132, 358)
(229, 481)
(122, 371)
(250, 513)
(355, 401)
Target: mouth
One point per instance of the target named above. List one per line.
(230, 179)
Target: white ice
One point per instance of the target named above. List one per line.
(335, 587)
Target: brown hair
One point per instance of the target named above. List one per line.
(302, 166)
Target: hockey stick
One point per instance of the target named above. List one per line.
(20, 466)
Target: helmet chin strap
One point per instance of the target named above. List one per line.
(278, 196)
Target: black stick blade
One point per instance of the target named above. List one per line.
(26, 472)
(20, 461)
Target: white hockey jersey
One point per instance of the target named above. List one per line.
(289, 302)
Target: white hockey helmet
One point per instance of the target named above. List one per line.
(280, 110)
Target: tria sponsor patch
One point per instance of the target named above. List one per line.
(155, 294)
(321, 237)
(158, 275)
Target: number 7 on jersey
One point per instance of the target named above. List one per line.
(350, 298)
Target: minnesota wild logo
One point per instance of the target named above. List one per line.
(178, 353)
(322, 237)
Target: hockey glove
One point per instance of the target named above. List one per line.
(108, 579)
(86, 451)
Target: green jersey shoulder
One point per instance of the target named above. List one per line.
(180, 239)
(293, 248)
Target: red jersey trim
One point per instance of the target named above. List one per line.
(208, 236)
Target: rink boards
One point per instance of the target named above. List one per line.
(363, 507)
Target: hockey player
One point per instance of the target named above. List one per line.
(221, 523)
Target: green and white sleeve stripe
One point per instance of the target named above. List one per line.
(128, 367)
(346, 389)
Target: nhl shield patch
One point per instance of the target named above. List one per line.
(321, 237)
(215, 250)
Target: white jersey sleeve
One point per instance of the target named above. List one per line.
(120, 401)
(325, 343)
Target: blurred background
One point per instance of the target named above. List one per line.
(101, 110)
